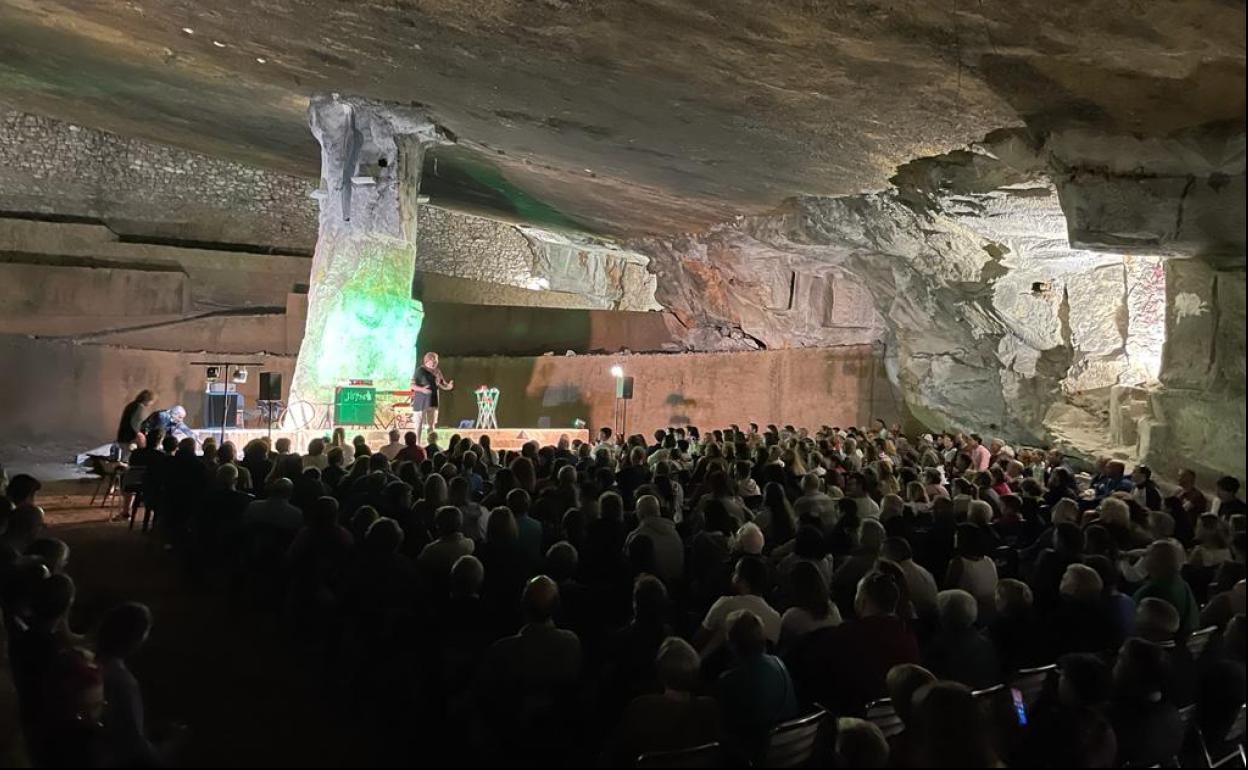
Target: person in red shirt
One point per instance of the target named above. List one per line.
(412, 451)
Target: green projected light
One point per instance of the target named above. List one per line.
(362, 323)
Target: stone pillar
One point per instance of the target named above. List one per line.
(362, 320)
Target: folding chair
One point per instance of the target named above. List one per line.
(792, 743)
(707, 755)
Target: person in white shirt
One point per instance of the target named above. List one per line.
(812, 608)
(919, 582)
(856, 490)
(394, 447)
(749, 580)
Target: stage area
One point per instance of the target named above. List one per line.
(500, 438)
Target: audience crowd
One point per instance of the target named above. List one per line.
(597, 602)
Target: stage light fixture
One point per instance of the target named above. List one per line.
(213, 373)
(617, 371)
(240, 376)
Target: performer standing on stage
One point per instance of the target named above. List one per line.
(426, 383)
(132, 421)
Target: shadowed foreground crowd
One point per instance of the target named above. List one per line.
(605, 603)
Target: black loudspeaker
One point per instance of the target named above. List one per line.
(624, 387)
(270, 386)
(222, 409)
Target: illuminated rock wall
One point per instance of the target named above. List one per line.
(362, 321)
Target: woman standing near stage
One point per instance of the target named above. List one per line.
(426, 383)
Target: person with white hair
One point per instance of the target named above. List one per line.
(171, 421)
(1080, 622)
(674, 719)
(959, 652)
(1163, 562)
(669, 549)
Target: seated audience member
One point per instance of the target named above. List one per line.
(1158, 622)
(1144, 490)
(1051, 564)
(844, 667)
(811, 606)
(756, 693)
(1014, 630)
(669, 550)
(953, 728)
(1145, 720)
(437, 558)
(1057, 720)
(392, 448)
(1213, 546)
(814, 502)
(1231, 572)
(861, 562)
(959, 652)
(275, 510)
(538, 665)
(676, 718)
(1226, 501)
(749, 583)
(1080, 622)
(122, 633)
(1223, 607)
(860, 743)
(1119, 608)
(972, 568)
(919, 582)
(1163, 563)
(902, 683)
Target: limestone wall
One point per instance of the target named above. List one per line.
(1197, 416)
(56, 391)
(56, 168)
(836, 386)
(44, 390)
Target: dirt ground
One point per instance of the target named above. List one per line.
(249, 698)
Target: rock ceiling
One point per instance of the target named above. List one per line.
(632, 117)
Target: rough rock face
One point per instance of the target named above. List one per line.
(361, 315)
(963, 272)
(1197, 417)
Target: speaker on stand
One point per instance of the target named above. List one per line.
(623, 394)
(270, 396)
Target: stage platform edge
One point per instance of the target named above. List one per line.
(500, 438)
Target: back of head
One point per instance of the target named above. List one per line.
(677, 665)
(897, 549)
(1164, 559)
(1013, 597)
(384, 536)
(501, 527)
(1085, 680)
(952, 727)
(52, 552)
(1156, 620)
(650, 603)
(1115, 513)
(281, 488)
(902, 682)
(324, 513)
(980, 513)
(871, 535)
(1082, 583)
(648, 507)
(877, 594)
(750, 539)
(539, 600)
(957, 608)
(860, 743)
(227, 476)
(123, 630)
(561, 560)
(467, 576)
(1142, 671)
(746, 635)
(518, 501)
(751, 575)
(52, 598)
(1068, 539)
(448, 520)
